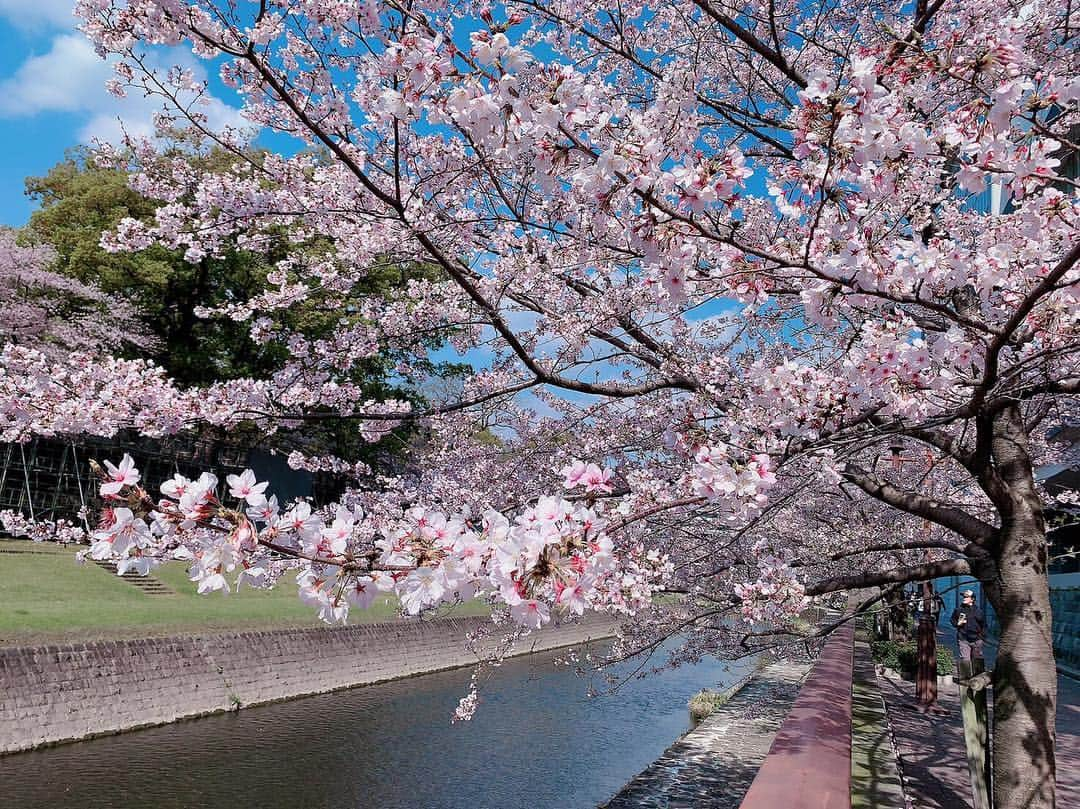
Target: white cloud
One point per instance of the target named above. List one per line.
(38, 14)
(135, 117)
(66, 79)
(70, 78)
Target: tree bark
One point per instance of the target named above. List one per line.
(1025, 676)
(899, 619)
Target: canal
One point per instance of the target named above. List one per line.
(538, 741)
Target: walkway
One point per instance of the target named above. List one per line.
(932, 753)
(712, 766)
(1068, 742)
(875, 776)
(931, 748)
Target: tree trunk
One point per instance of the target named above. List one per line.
(1025, 676)
(899, 617)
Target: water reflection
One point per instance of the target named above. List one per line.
(537, 741)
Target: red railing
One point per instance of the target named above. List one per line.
(809, 763)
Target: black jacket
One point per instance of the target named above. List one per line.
(974, 627)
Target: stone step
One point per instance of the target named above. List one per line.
(712, 766)
(147, 584)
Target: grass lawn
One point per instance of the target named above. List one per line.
(47, 597)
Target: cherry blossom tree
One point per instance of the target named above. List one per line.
(767, 301)
(53, 313)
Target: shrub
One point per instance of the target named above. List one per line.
(903, 656)
(704, 702)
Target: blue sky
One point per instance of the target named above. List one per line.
(52, 95)
(30, 140)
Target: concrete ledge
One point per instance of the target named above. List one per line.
(809, 764)
(60, 693)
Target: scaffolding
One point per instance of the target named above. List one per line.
(50, 478)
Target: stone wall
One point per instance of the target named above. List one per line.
(53, 694)
(1066, 608)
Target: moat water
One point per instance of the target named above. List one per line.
(538, 741)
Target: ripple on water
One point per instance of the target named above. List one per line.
(537, 741)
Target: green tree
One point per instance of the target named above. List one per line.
(79, 200)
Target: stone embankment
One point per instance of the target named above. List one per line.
(712, 766)
(54, 694)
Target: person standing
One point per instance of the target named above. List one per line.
(970, 627)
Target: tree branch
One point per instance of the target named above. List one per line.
(1001, 339)
(948, 444)
(885, 547)
(954, 519)
(774, 57)
(932, 570)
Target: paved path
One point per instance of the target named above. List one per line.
(932, 754)
(1068, 742)
(931, 748)
(711, 767)
(875, 776)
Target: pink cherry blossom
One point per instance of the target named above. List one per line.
(530, 612)
(808, 288)
(120, 476)
(246, 488)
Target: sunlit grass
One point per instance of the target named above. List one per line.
(47, 596)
